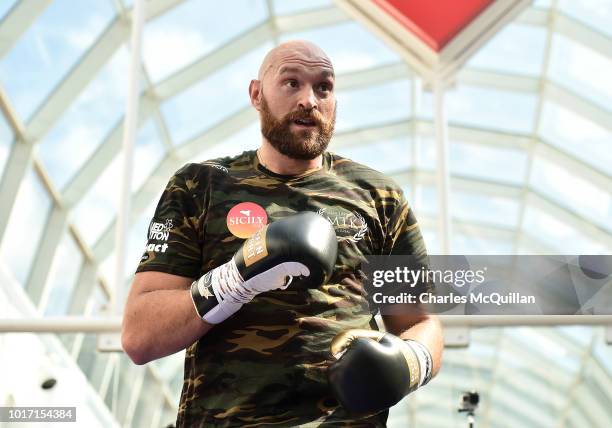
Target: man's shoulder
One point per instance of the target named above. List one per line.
(361, 174)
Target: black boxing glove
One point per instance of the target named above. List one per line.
(375, 370)
(304, 244)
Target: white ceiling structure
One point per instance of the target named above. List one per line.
(530, 130)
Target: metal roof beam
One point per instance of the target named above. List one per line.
(307, 20)
(141, 199)
(533, 16)
(217, 133)
(238, 46)
(213, 62)
(583, 34)
(77, 79)
(373, 76)
(565, 214)
(102, 157)
(371, 134)
(498, 80)
(87, 67)
(17, 166)
(45, 253)
(579, 105)
(18, 20)
(577, 167)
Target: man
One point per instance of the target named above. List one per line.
(259, 354)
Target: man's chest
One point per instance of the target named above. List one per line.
(235, 210)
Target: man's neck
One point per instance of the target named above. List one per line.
(278, 163)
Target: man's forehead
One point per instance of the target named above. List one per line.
(322, 69)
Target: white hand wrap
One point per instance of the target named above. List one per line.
(232, 291)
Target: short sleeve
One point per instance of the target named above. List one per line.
(404, 237)
(173, 237)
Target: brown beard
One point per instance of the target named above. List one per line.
(305, 144)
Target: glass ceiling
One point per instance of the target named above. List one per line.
(530, 161)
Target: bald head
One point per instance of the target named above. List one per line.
(296, 51)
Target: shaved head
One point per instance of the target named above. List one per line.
(301, 51)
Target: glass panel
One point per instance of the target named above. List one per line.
(45, 53)
(128, 374)
(431, 239)
(542, 4)
(5, 7)
(97, 303)
(374, 105)
(92, 363)
(594, 13)
(581, 335)
(493, 210)
(95, 211)
(193, 29)
(426, 153)
(98, 207)
(284, 7)
(468, 244)
(368, 52)
(489, 163)
(150, 399)
(386, 156)
(543, 346)
(176, 385)
(571, 191)
(426, 202)
(248, 138)
(168, 367)
(63, 276)
(169, 416)
(148, 153)
(506, 52)
(25, 226)
(136, 244)
(602, 355)
(559, 235)
(488, 108)
(577, 135)
(213, 99)
(87, 122)
(6, 143)
(582, 70)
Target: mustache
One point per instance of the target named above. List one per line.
(313, 115)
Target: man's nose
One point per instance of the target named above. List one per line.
(307, 100)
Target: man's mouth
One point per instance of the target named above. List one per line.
(305, 123)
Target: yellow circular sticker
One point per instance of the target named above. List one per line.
(246, 218)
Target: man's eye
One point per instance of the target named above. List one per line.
(324, 87)
(292, 83)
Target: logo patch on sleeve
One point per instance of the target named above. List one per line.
(160, 231)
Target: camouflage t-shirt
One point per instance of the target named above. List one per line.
(266, 365)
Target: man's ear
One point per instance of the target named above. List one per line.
(255, 93)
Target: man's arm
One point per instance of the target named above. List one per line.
(421, 326)
(159, 317)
